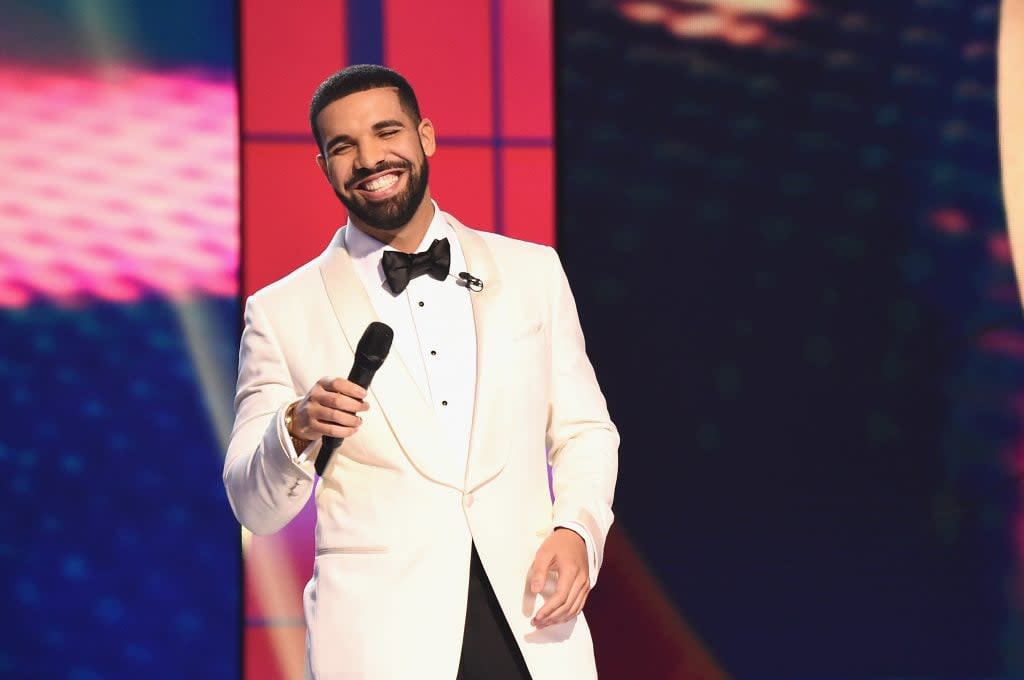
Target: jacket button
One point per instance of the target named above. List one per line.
(467, 500)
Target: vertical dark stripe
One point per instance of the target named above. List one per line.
(496, 118)
(365, 31)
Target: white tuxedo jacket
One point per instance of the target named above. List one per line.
(387, 598)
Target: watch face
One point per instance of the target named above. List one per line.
(288, 413)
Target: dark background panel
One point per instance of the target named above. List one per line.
(783, 258)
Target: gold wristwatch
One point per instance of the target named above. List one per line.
(299, 443)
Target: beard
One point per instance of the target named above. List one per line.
(397, 211)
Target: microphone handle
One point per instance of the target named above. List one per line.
(361, 375)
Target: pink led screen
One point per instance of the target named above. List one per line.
(120, 184)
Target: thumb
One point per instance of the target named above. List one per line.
(538, 571)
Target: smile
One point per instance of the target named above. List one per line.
(379, 183)
(380, 187)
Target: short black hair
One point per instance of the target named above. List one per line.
(359, 78)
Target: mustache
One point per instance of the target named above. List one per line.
(362, 173)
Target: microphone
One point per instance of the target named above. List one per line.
(473, 283)
(371, 352)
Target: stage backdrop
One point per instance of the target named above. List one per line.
(782, 224)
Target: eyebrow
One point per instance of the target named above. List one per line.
(388, 123)
(377, 127)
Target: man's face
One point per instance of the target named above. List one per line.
(375, 157)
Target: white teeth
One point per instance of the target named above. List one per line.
(381, 183)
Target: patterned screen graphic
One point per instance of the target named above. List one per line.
(143, 201)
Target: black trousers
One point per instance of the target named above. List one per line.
(489, 649)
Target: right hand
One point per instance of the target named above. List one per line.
(329, 409)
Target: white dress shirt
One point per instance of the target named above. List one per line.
(434, 333)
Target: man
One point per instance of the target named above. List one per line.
(439, 550)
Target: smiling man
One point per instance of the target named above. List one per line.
(440, 552)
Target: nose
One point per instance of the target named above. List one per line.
(371, 153)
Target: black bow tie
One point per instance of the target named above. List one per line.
(401, 268)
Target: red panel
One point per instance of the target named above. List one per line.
(526, 69)
(274, 653)
(462, 183)
(290, 211)
(529, 201)
(444, 49)
(286, 53)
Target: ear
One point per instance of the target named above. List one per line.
(322, 162)
(427, 138)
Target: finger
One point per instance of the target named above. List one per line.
(341, 418)
(586, 596)
(576, 603)
(331, 430)
(562, 612)
(320, 421)
(558, 598)
(342, 402)
(329, 413)
(330, 416)
(539, 571)
(348, 397)
(346, 387)
(577, 606)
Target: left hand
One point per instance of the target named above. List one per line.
(565, 552)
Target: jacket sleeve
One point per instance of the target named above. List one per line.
(582, 441)
(265, 484)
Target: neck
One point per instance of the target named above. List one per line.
(408, 237)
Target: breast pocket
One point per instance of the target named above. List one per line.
(526, 359)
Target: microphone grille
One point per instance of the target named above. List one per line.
(375, 344)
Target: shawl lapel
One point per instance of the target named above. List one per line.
(486, 456)
(403, 406)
